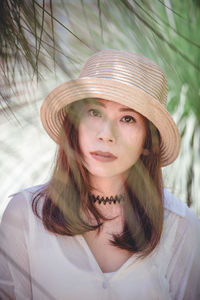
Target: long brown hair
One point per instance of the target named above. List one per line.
(66, 195)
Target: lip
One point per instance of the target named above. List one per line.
(103, 156)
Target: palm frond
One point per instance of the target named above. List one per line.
(41, 38)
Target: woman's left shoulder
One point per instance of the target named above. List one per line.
(179, 211)
(180, 239)
(178, 252)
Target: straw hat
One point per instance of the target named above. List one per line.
(123, 77)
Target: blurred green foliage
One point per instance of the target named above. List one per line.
(41, 37)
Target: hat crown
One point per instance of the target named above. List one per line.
(129, 68)
(126, 78)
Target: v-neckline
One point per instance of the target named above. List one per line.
(94, 264)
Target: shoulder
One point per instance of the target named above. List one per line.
(20, 204)
(180, 240)
(173, 204)
(28, 192)
(188, 224)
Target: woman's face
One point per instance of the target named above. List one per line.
(111, 137)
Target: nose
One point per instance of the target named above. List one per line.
(107, 133)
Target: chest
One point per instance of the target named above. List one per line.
(109, 257)
(71, 272)
(74, 267)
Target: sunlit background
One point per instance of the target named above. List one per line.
(49, 47)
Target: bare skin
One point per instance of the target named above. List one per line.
(114, 129)
(108, 257)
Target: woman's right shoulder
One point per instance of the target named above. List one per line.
(28, 192)
(20, 204)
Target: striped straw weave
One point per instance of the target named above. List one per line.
(126, 78)
(129, 68)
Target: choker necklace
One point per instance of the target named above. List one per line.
(98, 199)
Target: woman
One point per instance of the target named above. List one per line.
(104, 227)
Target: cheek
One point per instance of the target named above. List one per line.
(134, 143)
(84, 136)
(81, 137)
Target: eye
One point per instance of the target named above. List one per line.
(128, 119)
(94, 113)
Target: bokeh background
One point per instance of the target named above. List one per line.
(45, 43)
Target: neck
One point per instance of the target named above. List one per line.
(107, 187)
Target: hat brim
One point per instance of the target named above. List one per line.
(52, 113)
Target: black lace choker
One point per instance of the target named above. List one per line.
(98, 199)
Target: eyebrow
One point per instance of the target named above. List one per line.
(123, 109)
(127, 109)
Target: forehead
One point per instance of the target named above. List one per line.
(107, 103)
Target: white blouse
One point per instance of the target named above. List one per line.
(37, 264)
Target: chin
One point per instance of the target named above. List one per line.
(106, 173)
